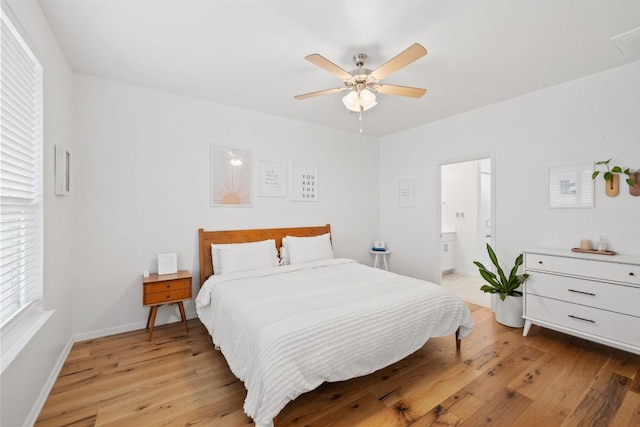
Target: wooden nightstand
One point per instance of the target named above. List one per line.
(165, 289)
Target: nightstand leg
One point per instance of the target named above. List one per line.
(149, 317)
(384, 261)
(153, 312)
(183, 316)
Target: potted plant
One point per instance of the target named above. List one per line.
(633, 181)
(509, 309)
(610, 176)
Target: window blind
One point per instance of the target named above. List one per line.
(20, 174)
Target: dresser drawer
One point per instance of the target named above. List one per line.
(166, 296)
(597, 269)
(619, 298)
(167, 286)
(601, 323)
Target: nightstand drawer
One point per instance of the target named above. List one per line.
(167, 286)
(166, 296)
(589, 320)
(596, 269)
(607, 296)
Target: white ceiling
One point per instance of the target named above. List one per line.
(250, 54)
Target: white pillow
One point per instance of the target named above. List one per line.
(307, 249)
(284, 253)
(232, 257)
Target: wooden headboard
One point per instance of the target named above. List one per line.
(243, 236)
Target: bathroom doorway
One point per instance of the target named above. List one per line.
(467, 224)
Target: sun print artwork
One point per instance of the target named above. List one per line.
(230, 176)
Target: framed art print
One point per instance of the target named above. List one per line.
(167, 263)
(304, 181)
(230, 176)
(273, 178)
(571, 186)
(406, 195)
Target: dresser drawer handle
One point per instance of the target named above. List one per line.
(539, 262)
(583, 293)
(631, 273)
(581, 318)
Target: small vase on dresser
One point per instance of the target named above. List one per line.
(591, 296)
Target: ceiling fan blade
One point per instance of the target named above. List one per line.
(411, 92)
(329, 66)
(320, 92)
(401, 60)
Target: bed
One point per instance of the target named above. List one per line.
(286, 329)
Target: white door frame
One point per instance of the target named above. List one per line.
(438, 205)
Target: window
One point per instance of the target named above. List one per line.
(20, 174)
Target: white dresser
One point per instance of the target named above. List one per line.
(596, 297)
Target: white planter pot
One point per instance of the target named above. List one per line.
(509, 311)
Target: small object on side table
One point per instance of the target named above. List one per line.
(165, 289)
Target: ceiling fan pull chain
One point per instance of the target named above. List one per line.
(360, 119)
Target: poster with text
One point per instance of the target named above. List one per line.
(273, 179)
(304, 178)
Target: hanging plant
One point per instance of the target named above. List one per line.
(610, 176)
(610, 172)
(633, 180)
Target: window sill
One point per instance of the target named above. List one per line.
(16, 336)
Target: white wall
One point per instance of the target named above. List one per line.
(589, 119)
(25, 383)
(142, 188)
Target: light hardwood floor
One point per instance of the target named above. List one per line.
(499, 378)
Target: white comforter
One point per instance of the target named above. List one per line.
(286, 330)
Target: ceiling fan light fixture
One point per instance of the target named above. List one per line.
(357, 101)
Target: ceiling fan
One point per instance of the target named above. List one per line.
(363, 83)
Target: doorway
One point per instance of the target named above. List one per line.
(467, 224)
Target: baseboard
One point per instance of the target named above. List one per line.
(466, 273)
(48, 385)
(128, 327)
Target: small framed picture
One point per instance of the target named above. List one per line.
(167, 263)
(571, 186)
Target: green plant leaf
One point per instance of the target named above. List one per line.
(607, 176)
(630, 181)
(595, 174)
(494, 260)
(616, 169)
(500, 284)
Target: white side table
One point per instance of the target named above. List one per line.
(378, 255)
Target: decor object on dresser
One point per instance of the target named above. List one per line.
(165, 289)
(611, 177)
(633, 181)
(285, 330)
(509, 309)
(585, 295)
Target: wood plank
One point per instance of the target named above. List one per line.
(599, 408)
(501, 410)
